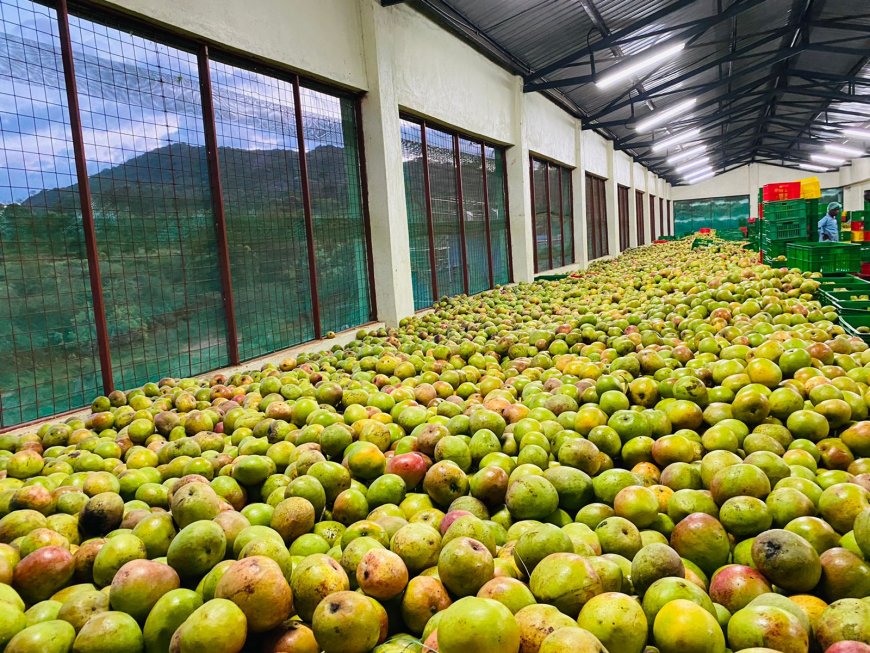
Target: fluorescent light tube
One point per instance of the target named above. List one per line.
(640, 61)
(676, 139)
(811, 167)
(824, 158)
(695, 180)
(854, 132)
(697, 173)
(663, 115)
(687, 154)
(686, 167)
(843, 149)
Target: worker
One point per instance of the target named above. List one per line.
(829, 225)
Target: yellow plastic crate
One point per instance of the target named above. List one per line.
(811, 189)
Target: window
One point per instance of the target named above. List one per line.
(652, 217)
(670, 222)
(47, 334)
(457, 212)
(552, 215)
(203, 173)
(638, 218)
(624, 236)
(711, 213)
(596, 218)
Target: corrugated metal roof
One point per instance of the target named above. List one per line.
(761, 104)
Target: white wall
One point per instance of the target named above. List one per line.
(595, 155)
(322, 38)
(440, 77)
(622, 168)
(746, 180)
(549, 131)
(640, 177)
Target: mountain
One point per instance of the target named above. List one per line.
(248, 178)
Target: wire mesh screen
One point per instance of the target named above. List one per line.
(557, 242)
(541, 229)
(567, 217)
(47, 335)
(498, 215)
(596, 217)
(445, 212)
(652, 217)
(142, 120)
(258, 151)
(341, 256)
(415, 203)
(475, 215)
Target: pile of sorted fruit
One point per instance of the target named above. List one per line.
(669, 453)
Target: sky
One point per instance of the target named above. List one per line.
(135, 95)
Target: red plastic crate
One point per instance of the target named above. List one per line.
(865, 268)
(704, 230)
(744, 230)
(783, 191)
(857, 226)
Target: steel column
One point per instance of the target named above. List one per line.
(549, 222)
(367, 220)
(486, 215)
(461, 205)
(534, 215)
(85, 200)
(306, 204)
(217, 202)
(427, 191)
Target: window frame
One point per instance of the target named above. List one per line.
(624, 218)
(567, 258)
(596, 217)
(456, 134)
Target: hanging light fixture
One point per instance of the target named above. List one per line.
(663, 115)
(638, 62)
(687, 154)
(676, 139)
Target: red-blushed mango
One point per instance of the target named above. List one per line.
(257, 585)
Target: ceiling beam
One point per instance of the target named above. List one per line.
(801, 31)
(699, 28)
(614, 39)
(658, 90)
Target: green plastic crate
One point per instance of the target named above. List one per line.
(776, 247)
(824, 257)
(851, 324)
(839, 298)
(730, 234)
(785, 229)
(791, 209)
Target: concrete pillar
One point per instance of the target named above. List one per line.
(754, 176)
(386, 183)
(612, 198)
(578, 180)
(519, 189)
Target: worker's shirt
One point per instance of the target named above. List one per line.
(828, 230)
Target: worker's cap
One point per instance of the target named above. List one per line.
(834, 206)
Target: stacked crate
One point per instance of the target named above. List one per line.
(786, 221)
